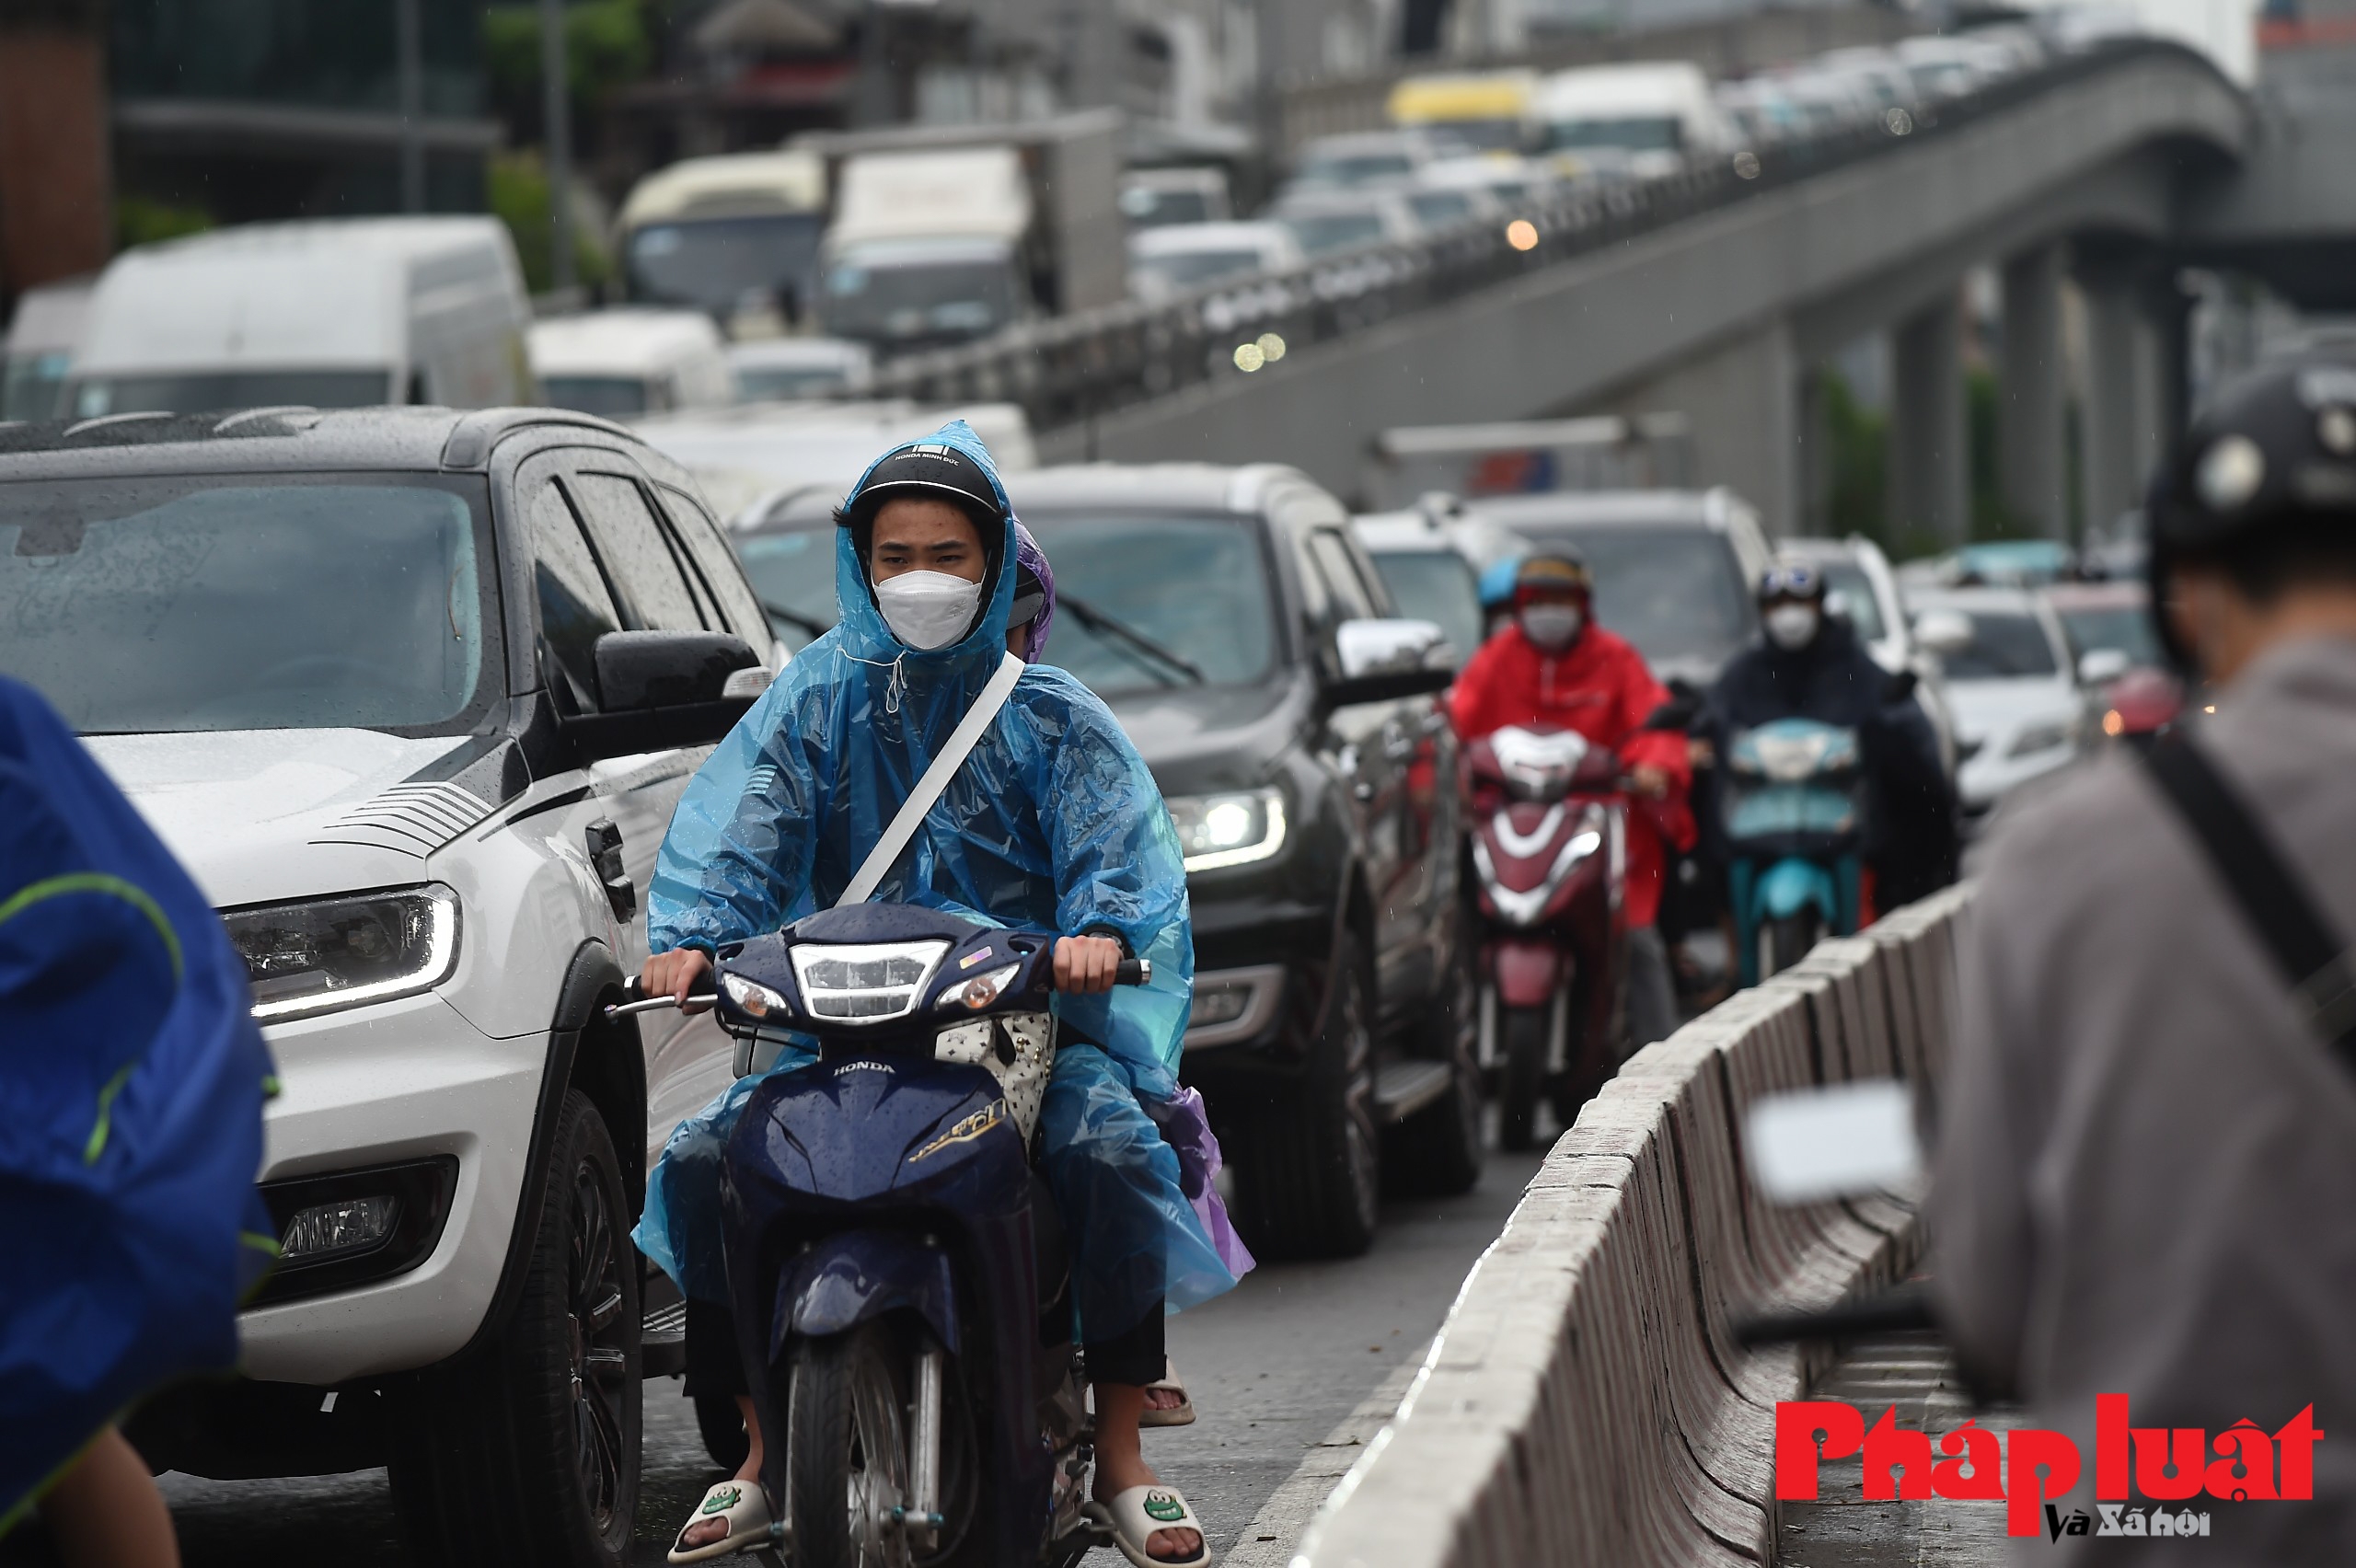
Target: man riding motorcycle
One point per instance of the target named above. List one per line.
(1809, 664)
(1553, 668)
(1052, 823)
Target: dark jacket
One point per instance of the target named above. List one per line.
(1912, 840)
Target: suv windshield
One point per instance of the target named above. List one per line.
(2127, 627)
(1674, 591)
(1146, 601)
(794, 572)
(239, 603)
(1638, 133)
(1436, 586)
(2005, 645)
(198, 392)
(1846, 578)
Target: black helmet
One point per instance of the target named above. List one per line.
(2276, 447)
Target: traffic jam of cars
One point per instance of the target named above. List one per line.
(469, 657)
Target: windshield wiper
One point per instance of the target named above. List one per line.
(796, 619)
(1103, 625)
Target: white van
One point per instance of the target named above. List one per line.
(1654, 115)
(627, 363)
(332, 312)
(732, 236)
(927, 247)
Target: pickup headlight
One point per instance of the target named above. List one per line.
(328, 953)
(1229, 830)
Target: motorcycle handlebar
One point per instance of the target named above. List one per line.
(1129, 972)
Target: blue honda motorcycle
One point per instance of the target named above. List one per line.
(1794, 817)
(900, 1282)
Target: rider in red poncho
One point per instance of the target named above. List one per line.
(1553, 668)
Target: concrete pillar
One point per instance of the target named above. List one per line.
(2130, 401)
(1815, 435)
(2029, 394)
(1927, 436)
(1742, 401)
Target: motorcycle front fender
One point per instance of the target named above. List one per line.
(1791, 885)
(1528, 973)
(852, 1276)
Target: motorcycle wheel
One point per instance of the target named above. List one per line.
(1783, 943)
(847, 1462)
(1524, 1031)
(1436, 1152)
(527, 1452)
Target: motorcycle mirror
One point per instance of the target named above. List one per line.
(1842, 1140)
(1899, 687)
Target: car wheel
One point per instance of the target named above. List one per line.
(527, 1453)
(721, 1425)
(1524, 1031)
(1436, 1152)
(1311, 1181)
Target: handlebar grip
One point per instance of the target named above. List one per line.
(1134, 972)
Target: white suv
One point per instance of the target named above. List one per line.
(412, 693)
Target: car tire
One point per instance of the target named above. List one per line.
(1524, 1039)
(721, 1425)
(527, 1452)
(1310, 1184)
(1436, 1152)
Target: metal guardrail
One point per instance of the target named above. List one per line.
(1069, 369)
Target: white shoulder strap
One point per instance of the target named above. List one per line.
(936, 778)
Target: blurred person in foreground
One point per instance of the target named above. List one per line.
(132, 1078)
(1551, 667)
(1808, 664)
(2147, 1173)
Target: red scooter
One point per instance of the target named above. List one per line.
(1549, 833)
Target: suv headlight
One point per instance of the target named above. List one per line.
(1229, 830)
(328, 953)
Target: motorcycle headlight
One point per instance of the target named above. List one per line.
(325, 954)
(1229, 830)
(979, 992)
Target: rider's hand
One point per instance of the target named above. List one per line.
(1086, 964)
(1650, 778)
(680, 973)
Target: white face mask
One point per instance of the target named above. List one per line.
(1791, 627)
(1551, 625)
(928, 609)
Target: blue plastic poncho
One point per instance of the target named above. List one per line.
(132, 1079)
(1053, 823)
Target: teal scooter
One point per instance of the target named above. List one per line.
(1794, 819)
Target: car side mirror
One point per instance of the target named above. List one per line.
(659, 689)
(1942, 632)
(1383, 661)
(2100, 666)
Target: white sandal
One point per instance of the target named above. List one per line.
(1180, 1414)
(745, 1507)
(1137, 1514)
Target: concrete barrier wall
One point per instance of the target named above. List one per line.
(1586, 1402)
